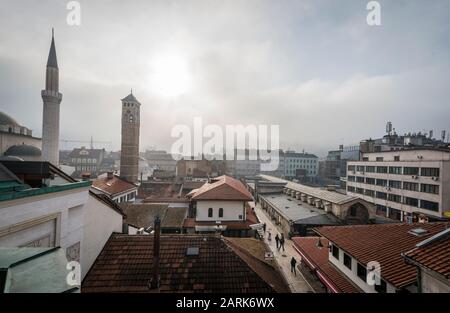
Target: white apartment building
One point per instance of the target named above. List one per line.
(403, 183)
(303, 161)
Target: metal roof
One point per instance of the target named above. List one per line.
(330, 196)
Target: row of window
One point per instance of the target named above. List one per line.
(86, 168)
(83, 160)
(396, 184)
(398, 170)
(419, 203)
(361, 270)
(301, 161)
(210, 212)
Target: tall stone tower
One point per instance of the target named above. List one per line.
(129, 159)
(52, 98)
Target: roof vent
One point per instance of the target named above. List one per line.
(418, 231)
(192, 251)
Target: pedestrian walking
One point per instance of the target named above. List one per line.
(282, 242)
(293, 266)
(269, 237)
(277, 240)
(264, 227)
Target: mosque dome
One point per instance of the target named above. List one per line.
(7, 120)
(23, 150)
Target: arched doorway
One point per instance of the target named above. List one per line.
(357, 213)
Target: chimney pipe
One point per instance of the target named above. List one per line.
(154, 282)
(110, 175)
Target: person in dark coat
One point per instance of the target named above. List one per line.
(264, 227)
(282, 242)
(277, 240)
(293, 266)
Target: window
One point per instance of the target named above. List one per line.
(382, 182)
(382, 169)
(429, 205)
(429, 171)
(369, 193)
(411, 171)
(361, 272)
(210, 212)
(411, 186)
(412, 201)
(350, 188)
(131, 118)
(395, 170)
(221, 212)
(381, 195)
(335, 252)
(395, 184)
(379, 159)
(382, 287)
(429, 188)
(370, 181)
(351, 167)
(360, 179)
(365, 159)
(381, 210)
(394, 198)
(351, 178)
(347, 261)
(370, 169)
(359, 190)
(360, 168)
(396, 158)
(395, 214)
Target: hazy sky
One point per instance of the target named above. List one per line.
(313, 67)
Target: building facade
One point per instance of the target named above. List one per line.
(304, 161)
(86, 160)
(403, 183)
(129, 157)
(52, 99)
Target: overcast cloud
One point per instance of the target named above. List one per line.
(313, 67)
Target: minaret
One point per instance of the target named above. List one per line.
(129, 156)
(52, 98)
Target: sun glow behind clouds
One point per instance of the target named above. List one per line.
(170, 76)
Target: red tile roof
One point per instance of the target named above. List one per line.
(383, 243)
(125, 265)
(317, 261)
(434, 255)
(112, 186)
(222, 188)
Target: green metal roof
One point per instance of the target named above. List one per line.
(36, 270)
(44, 190)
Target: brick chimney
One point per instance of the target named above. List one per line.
(154, 282)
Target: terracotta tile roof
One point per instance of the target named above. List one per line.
(317, 261)
(222, 188)
(112, 186)
(383, 243)
(434, 255)
(144, 214)
(125, 265)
